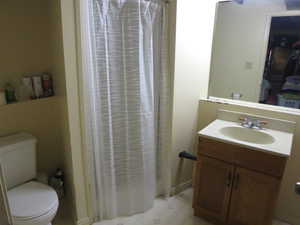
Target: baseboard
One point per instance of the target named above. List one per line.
(84, 221)
(181, 187)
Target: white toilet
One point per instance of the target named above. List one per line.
(30, 202)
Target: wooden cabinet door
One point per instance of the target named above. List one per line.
(212, 189)
(253, 198)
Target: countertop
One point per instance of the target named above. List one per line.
(282, 145)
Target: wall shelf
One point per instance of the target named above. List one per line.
(33, 101)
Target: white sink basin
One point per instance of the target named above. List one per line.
(277, 140)
(248, 135)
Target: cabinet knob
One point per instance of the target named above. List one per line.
(237, 180)
(229, 179)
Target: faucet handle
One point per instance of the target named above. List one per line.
(257, 124)
(246, 122)
(243, 119)
(252, 123)
(262, 122)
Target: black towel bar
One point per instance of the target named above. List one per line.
(186, 155)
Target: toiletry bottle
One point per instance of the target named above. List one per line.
(10, 93)
(37, 86)
(26, 89)
(2, 97)
(47, 85)
(57, 182)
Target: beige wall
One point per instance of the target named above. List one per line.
(289, 202)
(42, 118)
(31, 42)
(57, 65)
(239, 39)
(195, 20)
(57, 68)
(76, 156)
(25, 39)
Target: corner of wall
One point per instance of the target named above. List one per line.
(71, 70)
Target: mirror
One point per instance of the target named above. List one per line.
(256, 53)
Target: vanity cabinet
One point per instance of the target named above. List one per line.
(213, 188)
(235, 185)
(253, 198)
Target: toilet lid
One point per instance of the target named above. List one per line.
(32, 199)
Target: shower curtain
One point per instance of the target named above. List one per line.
(5, 214)
(127, 104)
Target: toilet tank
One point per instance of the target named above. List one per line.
(18, 158)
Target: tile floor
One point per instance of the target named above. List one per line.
(63, 215)
(176, 210)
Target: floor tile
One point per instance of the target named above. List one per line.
(176, 210)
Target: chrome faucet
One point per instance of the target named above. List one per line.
(251, 123)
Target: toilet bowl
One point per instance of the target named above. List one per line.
(33, 203)
(30, 202)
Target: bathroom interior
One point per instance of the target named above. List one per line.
(126, 112)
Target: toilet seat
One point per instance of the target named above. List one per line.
(33, 203)
(42, 220)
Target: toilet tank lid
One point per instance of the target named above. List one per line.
(15, 139)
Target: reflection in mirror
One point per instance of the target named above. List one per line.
(256, 53)
(281, 78)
